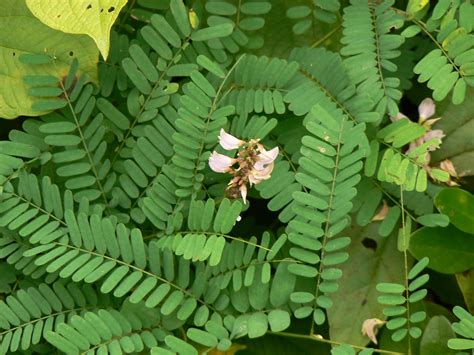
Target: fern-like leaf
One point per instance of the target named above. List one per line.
(399, 299)
(450, 65)
(329, 169)
(369, 48)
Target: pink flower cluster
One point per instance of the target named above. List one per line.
(252, 165)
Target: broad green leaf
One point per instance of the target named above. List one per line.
(466, 284)
(93, 18)
(457, 124)
(373, 260)
(449, 249)
(458, 205)
(35, 38)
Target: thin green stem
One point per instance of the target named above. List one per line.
(36, 320)
(424, 28)
(320, 339)
(326, 36)
(405, 260)
(394, 200)
(377, 47)
(135, 268)
(217, 234)
(86, 147)
(209, 116)
(328, 215)
(148, 98)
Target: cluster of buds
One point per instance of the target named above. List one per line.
(427, 109)
(252, 165)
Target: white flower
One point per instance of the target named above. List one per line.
(220, 163)
(265, 157)
(228, 141)
(426, 109)
(256, 176)
(369, 328)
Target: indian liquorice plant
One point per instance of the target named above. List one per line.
(237, 176)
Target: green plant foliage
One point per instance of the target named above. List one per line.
(330, 155)
(459, 204)
(449, 249)
(373, 259)
(31, 312)
(404, 169)
(466, 285)
(436, 336)
(369, 49)
(235, 177)
(246, 17)
(464, 328)
(447, 67)
(400, 298)
(316, 10)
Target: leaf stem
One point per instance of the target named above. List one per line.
(320, 339)
(326, 36)
(405, 260)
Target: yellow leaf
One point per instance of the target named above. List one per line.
(461, 31)
(193, 19)
(38, 39)
(91, 17)
(380, 216)
(415, 6)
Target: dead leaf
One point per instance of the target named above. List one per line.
(380, 216)
(370, 328)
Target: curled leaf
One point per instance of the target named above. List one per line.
(370, 328)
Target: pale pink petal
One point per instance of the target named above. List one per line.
(265, 157)
(243, 193)
(426, 109)
(220, 163)
(399, 116)
(447, 165)
(228, 141)
(257, 176)
(436, 135)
